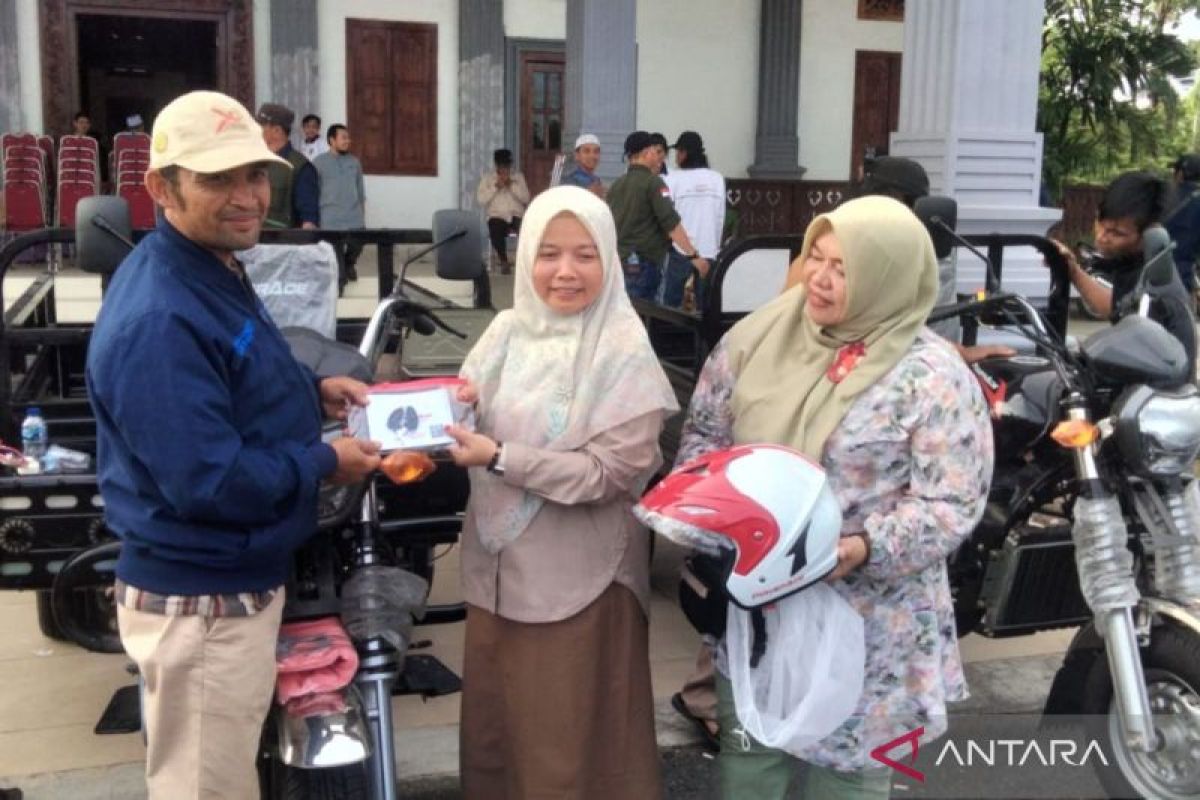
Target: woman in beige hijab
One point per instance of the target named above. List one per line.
(843, 369)
(571, 401)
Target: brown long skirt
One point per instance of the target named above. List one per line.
(560, 710)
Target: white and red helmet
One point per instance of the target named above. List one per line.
(766, 510)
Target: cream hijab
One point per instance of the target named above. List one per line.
(552, 381)
(780, 356)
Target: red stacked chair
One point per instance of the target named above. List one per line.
(25, 196)
(131, 154)
(46, 145)
(78, 175)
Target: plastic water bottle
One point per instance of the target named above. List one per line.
(33, 434)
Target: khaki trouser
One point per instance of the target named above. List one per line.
(208, 686)
(700, 691)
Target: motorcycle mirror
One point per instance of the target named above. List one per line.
(460, 255)
(933, 209)
(102, 233)
(1157, 247)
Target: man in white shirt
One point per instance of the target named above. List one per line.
(699, 196)
(314, 144)
(504, 195)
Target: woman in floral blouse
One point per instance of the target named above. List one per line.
(843, 369)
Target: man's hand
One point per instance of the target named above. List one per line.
(1072, 262)
(979, 352)
(308, 226)
(597, 188)
(337, 394)
(852, 552)
(472, 449)
(356, 459)
(702, 266)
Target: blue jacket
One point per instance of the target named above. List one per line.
(1183, 223)
(208, 431)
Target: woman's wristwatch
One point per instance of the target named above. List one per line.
(493, 465)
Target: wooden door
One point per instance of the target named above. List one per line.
(876, 103)
(542, 116)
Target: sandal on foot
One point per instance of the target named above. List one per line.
(712, 740)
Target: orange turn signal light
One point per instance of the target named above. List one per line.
(406, 466)
(1075, 434)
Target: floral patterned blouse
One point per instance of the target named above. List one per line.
(910, 464)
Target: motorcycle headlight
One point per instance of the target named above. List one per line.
(1157, 431)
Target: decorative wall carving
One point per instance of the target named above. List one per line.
(60, 68)
(886, 10)
(784, 207)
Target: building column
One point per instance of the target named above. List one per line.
(481, 91)
(10, 73)
(777, 143)
(968, 114)
(294, 65)
(601, 77)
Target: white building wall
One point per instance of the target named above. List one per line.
(535, 19)
(698, 70)
(397, 202)
(262, 53)
(830, 33)
(30, 64)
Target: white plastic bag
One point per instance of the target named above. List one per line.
(810, 678)
(297, 284)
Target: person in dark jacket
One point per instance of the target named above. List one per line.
(209, 452)
(1183, 220)
(295, 192)
(1132, 203)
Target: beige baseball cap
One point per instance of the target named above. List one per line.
(207, 132)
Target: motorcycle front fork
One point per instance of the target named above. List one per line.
(1106, 578)
(379, 668)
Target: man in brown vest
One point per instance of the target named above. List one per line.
(295, 192)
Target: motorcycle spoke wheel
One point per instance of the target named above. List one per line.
(1173, 770)
(1171, 664)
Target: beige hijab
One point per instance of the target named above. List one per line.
(554, 381)
(780, 356)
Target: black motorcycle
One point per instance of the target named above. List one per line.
(1093, 520)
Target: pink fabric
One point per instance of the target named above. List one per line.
(314, 705)
(313, 657)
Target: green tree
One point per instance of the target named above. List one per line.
(1106, 102)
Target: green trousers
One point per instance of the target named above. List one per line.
(752, 771)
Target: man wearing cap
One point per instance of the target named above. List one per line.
(646, 220)
(1183, 220)
(209, 452)
(587, 158)
(295, 192)
(135, 124)
(504, 195)
(698, 193)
